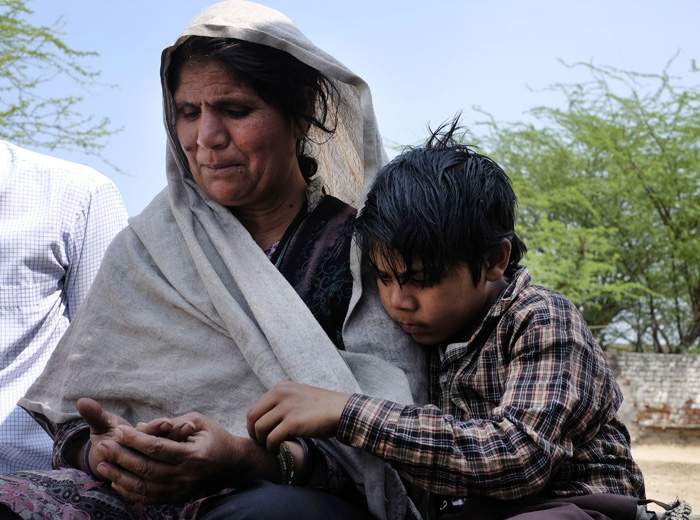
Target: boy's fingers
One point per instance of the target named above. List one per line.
(276, 437)
(265, 424)
(260, 408)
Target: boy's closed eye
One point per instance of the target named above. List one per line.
(414, 279)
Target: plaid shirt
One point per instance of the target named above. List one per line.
(526, 406)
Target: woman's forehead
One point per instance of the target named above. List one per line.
(212, 78)
(198, 62)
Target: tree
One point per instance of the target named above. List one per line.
(31, 56)
(609, 190)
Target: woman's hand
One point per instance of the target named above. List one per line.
(202, 459)
(103, 428)
(295, 410)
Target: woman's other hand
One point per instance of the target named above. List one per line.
(295, 410)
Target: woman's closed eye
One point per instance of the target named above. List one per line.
(188, 112)
(236, 112)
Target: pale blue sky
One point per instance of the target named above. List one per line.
(423, 60)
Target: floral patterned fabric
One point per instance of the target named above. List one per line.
(70, 494)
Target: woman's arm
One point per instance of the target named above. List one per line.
(71, 438)
(68, 443)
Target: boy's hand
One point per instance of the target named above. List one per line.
(295, 410)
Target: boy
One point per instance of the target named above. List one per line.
(523, 402)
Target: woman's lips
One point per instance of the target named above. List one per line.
(222, 168)
(222, 165)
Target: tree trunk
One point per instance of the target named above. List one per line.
(693, 332)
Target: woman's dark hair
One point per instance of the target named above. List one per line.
(301, 93)
(442, 204)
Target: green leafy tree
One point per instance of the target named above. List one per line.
(31, 56)
(609, 190)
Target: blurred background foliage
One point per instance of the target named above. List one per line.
(609, 191)
(33, 60)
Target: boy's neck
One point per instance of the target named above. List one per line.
(494, 291)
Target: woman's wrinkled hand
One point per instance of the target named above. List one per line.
(295, 410)
(103, 429)
(182, 458)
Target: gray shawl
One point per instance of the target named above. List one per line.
(187, 313)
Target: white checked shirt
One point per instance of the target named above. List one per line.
(56, 220)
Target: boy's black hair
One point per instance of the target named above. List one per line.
(441, 203)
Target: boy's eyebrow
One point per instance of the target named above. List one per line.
(379, 272)
(414, 274)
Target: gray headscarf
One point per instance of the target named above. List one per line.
(187, 313)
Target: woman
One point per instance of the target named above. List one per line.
(188, 313)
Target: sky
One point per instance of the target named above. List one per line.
(424, 61)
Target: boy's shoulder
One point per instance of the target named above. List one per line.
(524, 304)
(543, 328)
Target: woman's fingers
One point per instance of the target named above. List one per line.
(134, 488)
(99, 421)
(185, 425)
(161, 427)
(175, 428)
(157, 448)
(134, 463)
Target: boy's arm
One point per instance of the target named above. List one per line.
(555, 391)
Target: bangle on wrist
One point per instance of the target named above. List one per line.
(285, 459)
(295, 473)
(86, 459)
(307, 461)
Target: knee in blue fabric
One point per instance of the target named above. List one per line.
(267, 501)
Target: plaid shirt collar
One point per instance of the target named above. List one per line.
(519, 281)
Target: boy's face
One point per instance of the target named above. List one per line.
(432, 315)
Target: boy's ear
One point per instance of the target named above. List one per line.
(498, 261)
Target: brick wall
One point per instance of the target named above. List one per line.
(662, 391)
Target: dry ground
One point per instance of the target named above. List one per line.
(671, 471)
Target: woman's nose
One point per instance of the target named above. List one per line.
(212, 132)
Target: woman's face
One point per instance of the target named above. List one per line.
(240, 149)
